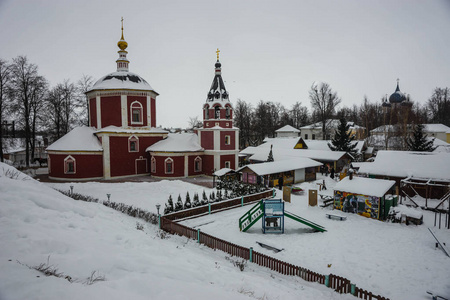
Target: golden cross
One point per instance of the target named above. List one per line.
(217, 54)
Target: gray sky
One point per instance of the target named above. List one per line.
(270, 50)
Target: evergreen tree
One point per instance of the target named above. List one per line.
(419, 142)
(342, 141)
(170, 203)
(179, 204)
(187, 203)
(225, 195)
(204, 198)
(270, 158)
(219, 196)
(196, 201)
(212, 197)
(166, 209)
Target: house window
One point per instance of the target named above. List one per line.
(69, 165)
(306, 136)
(153, 165)
(168, 163)
(313, 136)
(198, 164)
(227, 140)
(133, 144)
(136, 113)
(227, 164)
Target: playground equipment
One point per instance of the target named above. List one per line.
(273, 213)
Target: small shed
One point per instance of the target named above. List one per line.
(291, 170)
(367, 197)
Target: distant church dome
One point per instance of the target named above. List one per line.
(397, 96)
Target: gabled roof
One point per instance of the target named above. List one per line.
(287, 128)
(177, 142)
(365, 186)
(436, 128)
(331, 123)
(281, 166)
(261, 154)
(79, 139)
(223, 171)
(404, 164)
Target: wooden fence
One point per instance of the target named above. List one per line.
(339, 284)
(218, 206)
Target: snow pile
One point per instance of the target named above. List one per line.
(400, 210)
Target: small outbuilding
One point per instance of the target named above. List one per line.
(367, 197)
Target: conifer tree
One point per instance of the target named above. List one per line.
(270, 158)
(204, 198)
(219, 196)
(342, 140)
(419, 142)
(179, 204)
(212, 197)
(196, 201)
(170, 203)
(187, 203)
(225, 195)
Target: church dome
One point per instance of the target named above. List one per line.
(397, 96)
(122, 81)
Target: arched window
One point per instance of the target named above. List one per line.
(228, 113)
(136, 113)
(198, 164)
(153, 165)
(217, 112)
(168, 165)
(206, 112)
(69, 165)
(133, 144)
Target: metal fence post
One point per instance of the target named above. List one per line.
(242, 201)
(251, 254)
(327, 280)
(209, 208)
(353, 289)
(159, 221)
(198, 236)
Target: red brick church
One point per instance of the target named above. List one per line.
(123, 139)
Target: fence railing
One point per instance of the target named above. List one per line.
(339, 284)
(218, 206)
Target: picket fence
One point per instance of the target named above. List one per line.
(339, 284)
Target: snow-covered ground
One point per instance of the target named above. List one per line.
(38, 224)
(394, 260)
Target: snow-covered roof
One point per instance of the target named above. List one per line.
(281, 166)
(331, 123)
(223, 171)
(177, 142)
(280, 142)
(287, 128)
(436, 128)
(261, 154)
(365, 186)
(145, 129)
(403, 164)
(79, 139)
(121, 81)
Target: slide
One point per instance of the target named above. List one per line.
(304, 221)
(251, 217)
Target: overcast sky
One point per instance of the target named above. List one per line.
(270, 50)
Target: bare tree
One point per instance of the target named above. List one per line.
(324, 102)
(243, 117)
(5, 71)
(27, 91)
(194, 122)
(82, 103)
(439, 106)
(299, 115)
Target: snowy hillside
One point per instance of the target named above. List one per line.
(38, 224)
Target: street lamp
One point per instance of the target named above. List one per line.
(108, 195)
(71, 190)
(157, 207)
(159, 216)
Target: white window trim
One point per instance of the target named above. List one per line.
(133, 139)
(228, 164)
(199, 159)
(153, 165)
(227, 140)
(66, 171)
(165, 165)
(141, 116)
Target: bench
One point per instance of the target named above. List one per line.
(327, 200)
(336, 217)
